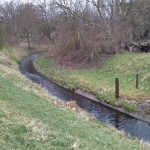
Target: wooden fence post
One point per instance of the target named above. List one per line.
(73, 94)
(117, 88)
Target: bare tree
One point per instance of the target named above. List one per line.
(88, 29)
(81, 29)
(1, 32)
(27, 17)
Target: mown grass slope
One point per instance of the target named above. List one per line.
(30, 119)
(101, 81)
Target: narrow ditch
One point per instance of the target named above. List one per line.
(105, 114)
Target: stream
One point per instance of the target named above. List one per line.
(126, 123)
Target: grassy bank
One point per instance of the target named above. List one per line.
(100, 81)
(30, 120)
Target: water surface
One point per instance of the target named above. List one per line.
(108, 116)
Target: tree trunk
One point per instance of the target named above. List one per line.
(28, 40)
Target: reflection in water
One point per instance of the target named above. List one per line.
(102, 113)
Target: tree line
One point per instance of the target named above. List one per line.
(80, 30)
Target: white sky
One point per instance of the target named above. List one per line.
(2, 1)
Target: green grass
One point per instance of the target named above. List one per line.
(30, 119)
(13, 53)
(100, 81)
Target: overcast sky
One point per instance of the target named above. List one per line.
(2, 1)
